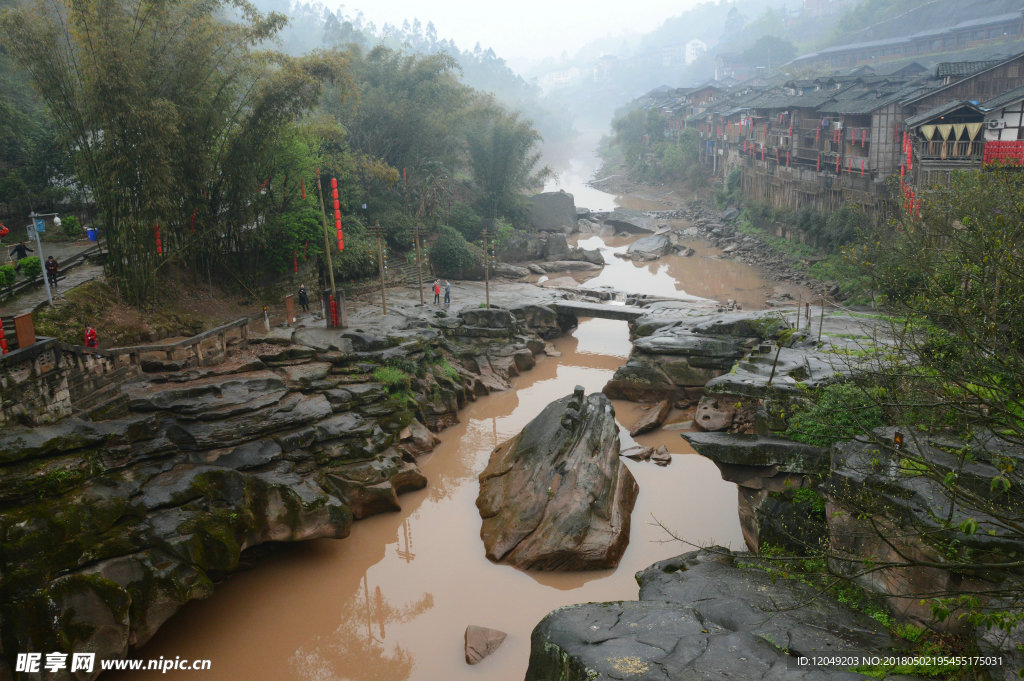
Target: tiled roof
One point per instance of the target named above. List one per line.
(1002, 100)
(941, 110)
(963, 68)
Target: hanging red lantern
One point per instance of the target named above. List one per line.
(837, 164)
(787, 158)
(863, 137)
(862, 167)
(817, 135)
(159, 244)
(819, 164)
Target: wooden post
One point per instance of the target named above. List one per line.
(419, 264)
(289, 308)
(327, 253)
(487, 271)
(821, 319)
(379, 232)
(24, 330)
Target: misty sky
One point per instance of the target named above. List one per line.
(519, 29)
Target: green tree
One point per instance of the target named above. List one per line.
(503, 159)
(173, 115)
(769, 51)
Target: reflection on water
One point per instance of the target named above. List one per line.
(703, 275)
(392, 601)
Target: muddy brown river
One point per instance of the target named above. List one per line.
(391, 602)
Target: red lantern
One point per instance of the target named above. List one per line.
(787, 158)
(3, 341)
(862, 167)
(159, 244)
(837, 164)
(819, 164)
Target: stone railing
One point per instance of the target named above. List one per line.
(50, 380)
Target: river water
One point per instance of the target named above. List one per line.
(391, 602)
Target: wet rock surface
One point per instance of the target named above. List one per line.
(556, 496)
(481, 642)
(109, 527)
(704, 615)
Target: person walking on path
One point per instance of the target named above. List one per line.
(18, 253)
(91, 339)
(447, 292)
(303, 298)
(437, 292)
(52, 269)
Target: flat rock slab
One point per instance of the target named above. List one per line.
(481, 642)
(702, 617)
(557, 496)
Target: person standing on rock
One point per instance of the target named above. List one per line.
(52, 269)
(447, 292)
(303, 298)
(437, 292)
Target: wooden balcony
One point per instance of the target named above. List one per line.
(938, 150)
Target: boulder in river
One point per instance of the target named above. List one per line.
(556, 496)
(649, 247)
(710, 615)
(481, 642)
(553, 212)
(651, 420)
(630, 221)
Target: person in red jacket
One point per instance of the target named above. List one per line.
(91, 339)
(3, 231)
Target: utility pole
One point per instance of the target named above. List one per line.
(378, 231)
(39, 225)
(330, 263)
(419, 263)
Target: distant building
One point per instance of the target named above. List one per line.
(557, 79)
(694, 49)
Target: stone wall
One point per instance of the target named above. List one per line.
(33, 384)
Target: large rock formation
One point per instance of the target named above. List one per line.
(553, 212)
(109, 527)
(556, 496)
(709, 615)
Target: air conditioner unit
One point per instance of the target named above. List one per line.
(992, 125)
